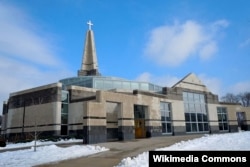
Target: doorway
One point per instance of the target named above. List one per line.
(139, 115)
(241, 118)
(64, 130)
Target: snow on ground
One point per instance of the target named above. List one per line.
(39, 143)
(52, 153)
(47, 152)
(228, 141)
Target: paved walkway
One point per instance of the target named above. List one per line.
(121, 149)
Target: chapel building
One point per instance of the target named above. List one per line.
(100, 108)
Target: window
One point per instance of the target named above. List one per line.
(134, 85)
(117, 84)
(139, 111)
(195, 112)
(107, 85)
(144, 86)
(165, 109)
(64, 112)
(222, 118)
(126, 85)
(64, 107)
(98, 84)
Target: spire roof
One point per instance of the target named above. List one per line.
(89, 64)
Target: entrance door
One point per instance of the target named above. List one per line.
(139, 115)
(241, 118)
(139, 128)
(64, 129)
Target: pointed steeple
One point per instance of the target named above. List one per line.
(89, 64)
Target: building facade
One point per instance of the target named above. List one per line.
(99, 109)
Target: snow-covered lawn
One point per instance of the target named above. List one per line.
(47, 152)
(53, 153)
(228, 141)
(39, 143)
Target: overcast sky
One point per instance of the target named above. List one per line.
(156, 41)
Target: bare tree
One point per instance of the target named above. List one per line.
(248, 99)
(230, 98)
(36, 135)
(37, 101)
(244, 99)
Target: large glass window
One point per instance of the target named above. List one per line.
(117, 84)
(166, 117)
(107, 84)
(126, 85)
(195, 112)
(144, 86)
(222, 118)
(134, 85)
(99, 84)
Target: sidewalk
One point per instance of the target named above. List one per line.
(121, 149)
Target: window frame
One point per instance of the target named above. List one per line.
(196, 115)
(166, 117)
(222, 115)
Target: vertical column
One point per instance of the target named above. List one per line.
(94, 120)
(126, 122)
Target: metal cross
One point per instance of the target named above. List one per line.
(90, 24)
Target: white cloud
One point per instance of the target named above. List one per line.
(245, 43)
(215, 85)
(16, 76)
(145, 77)
(207, 50)
(212, 83)
(239, 87)
(21, 38)
(217, 25)
(28, 55)
(167, 80)
(172, 44)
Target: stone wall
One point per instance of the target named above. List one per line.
(31, 110)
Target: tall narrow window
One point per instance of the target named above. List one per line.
(222, 118)
(64, 112)
(112, 111)
(195, 112)
(166, 117)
